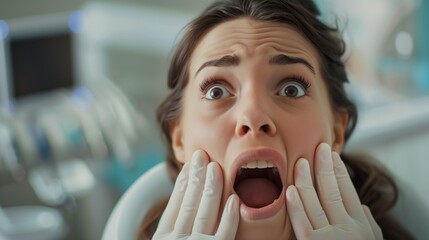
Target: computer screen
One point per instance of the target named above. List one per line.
(40, 63)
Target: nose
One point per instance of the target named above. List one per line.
(254, 120)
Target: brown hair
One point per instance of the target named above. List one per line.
(370, 182)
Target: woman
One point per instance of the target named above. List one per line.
(258, 104)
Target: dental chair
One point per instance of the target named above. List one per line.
(126, 217)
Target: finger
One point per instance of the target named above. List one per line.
(374, 226)
(308, 195)
(230, 217)
(191, 200)
(327, 187)
(168, 219)
(348, 192)
(208, 211)
(297, 215)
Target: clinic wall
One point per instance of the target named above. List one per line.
(22, 8)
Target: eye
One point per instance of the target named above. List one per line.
(217, 92)
(293, 90)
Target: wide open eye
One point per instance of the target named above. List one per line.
(292, 89)
(217, 92)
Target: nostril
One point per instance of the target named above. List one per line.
(245, 129)
(265, 128)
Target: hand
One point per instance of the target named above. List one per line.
(334, 211)
(193, 208)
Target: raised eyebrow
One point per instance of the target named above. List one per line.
(282, 59)
(225, 61)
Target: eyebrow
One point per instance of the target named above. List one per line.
(225, 61)
(283, 59)
(233, 60)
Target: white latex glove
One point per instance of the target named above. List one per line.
(334, 211)
(193, 208)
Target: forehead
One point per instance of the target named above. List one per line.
(246, 38)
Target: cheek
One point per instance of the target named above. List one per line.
(303, 135)
(209, 133)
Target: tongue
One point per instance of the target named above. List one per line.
(257, 192)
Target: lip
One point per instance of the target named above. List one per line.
(279, 161)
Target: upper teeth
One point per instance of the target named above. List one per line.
(258, 164)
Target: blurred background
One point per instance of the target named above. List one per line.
(80, 81)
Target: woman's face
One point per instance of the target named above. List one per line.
(256, 96)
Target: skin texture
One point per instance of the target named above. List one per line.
(252, 114)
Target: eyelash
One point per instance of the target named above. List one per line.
(207, 83)
(299, 79)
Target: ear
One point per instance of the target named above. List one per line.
(177, 141)
(341, 121)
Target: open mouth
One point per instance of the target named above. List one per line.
(258, 183)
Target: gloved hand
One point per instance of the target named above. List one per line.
(192, 211)
(334, 211)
